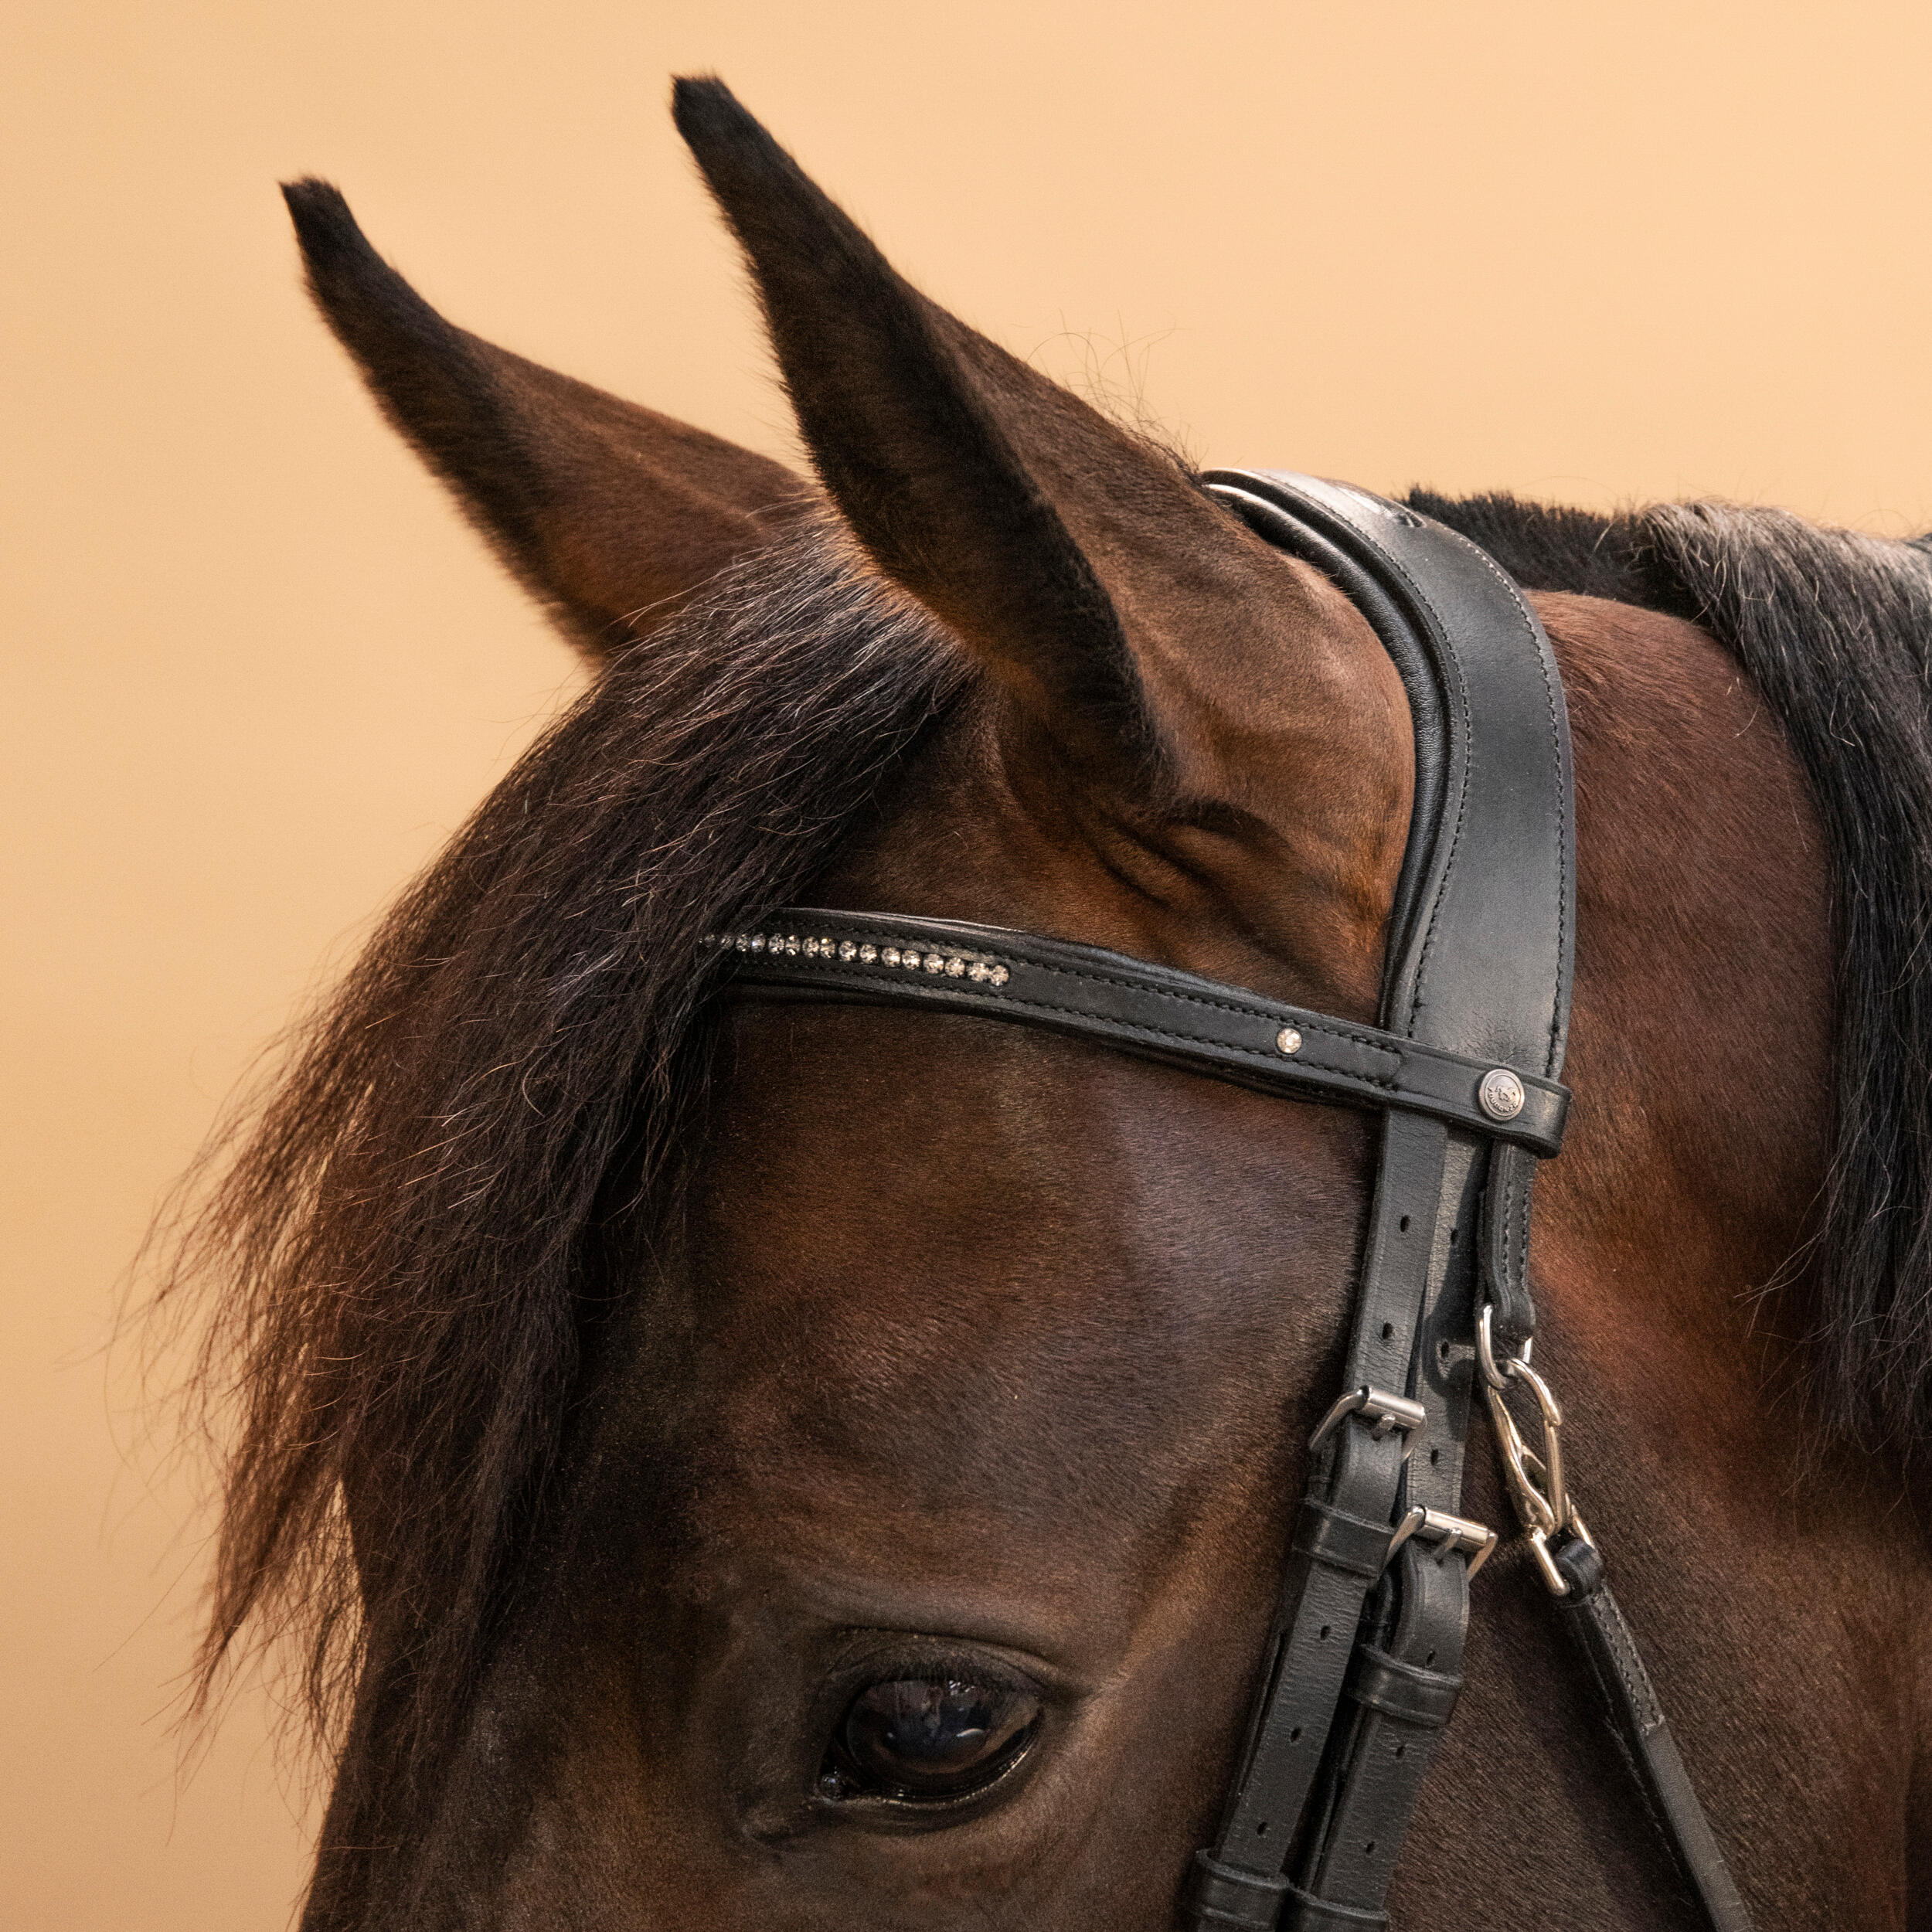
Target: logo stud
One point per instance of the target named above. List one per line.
(1500, 1095)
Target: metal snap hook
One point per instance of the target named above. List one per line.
(1535, 1478)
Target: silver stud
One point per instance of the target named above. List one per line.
(776, 944)
(791, 945)
(935, 962)
(742, 943)
(847, 950)
(1289, 1040)
(868, 953)
(999, 975)
(909, 960)
(755, 943)
(977, 970)
(890, 955)
(954, 966)
(811, 949)
(1500, 1095)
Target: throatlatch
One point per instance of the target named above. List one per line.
(1362, 1671)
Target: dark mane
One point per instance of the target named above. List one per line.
(1835, 629)
(406, 1241)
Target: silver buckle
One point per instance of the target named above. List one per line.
(1452, 1533)
(1376, 1406)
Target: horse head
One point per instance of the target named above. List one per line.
(803, 1466)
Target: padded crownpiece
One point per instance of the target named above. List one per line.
(1483, 939)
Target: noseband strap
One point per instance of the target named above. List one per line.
(1361, 1670)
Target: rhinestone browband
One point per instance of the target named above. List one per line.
(974, 966)
(813, 952)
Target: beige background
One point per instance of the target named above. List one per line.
(257, 670)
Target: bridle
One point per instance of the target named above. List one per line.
(1361, 1673)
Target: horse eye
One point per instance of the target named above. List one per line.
(928, 1738)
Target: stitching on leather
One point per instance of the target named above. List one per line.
(996, 1003)
(1556, 758)
(1623, 1652)
(1508, 1219)
(1307, 1022)
(1519, 1202)
(1462, 797)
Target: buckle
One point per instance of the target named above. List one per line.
(1478, 1540)
(1377, 1407)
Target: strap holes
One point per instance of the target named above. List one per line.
(1452, 1234)
(1435, 1456)
(1368, 1849)
(1430, 1659)
(1442, 1351)
(1405, 1224)
(1388, 1329)
(1261, 1831)
(1294, 1737)
(1326, 1627)
(1400, 1749)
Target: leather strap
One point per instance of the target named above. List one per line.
(1357, 1474)
(1479, 962)
(1402, 1690)
(1403, 1686)
(1595, 1625)
(1481, 941)
(1154, 1012)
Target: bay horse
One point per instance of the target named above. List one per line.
(645, 1394)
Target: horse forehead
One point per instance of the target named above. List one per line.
(942, 1260)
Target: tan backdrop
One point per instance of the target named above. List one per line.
(258, 670)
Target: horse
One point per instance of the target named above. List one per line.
(647, 1397)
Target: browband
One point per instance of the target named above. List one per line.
(1154, 1012)
(1363, 1667)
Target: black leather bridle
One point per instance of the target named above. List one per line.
(1362, 1671)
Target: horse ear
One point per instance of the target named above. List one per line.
(608, 513)
(1138, 620)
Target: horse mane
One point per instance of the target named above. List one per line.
(404, 1243)
(1835, 629)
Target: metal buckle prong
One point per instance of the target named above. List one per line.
(1452, 1533)
(1376, 1406)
